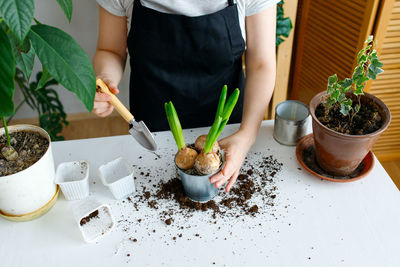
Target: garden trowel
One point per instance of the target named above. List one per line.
(138, 130)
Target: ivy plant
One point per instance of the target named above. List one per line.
(367, 68)
(22, 38)
(283, 25)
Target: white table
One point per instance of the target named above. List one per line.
(323, 224)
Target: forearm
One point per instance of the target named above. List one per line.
(260, 84)
(109, 64)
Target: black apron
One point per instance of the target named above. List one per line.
(185, 60)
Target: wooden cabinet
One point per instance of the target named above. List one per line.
(329, 35)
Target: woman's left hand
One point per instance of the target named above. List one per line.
(236, 147)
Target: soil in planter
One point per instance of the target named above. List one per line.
(31, 146)
(366, 121)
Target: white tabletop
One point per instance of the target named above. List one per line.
(314, 222)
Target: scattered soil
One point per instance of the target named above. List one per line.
(31, 146)
(236, 203)
(366, 121)
(254, 196)
(94, 214)
(309, 158)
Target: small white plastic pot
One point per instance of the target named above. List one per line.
(117, 175)
(93, 218)
(73, 178)
(30, 190)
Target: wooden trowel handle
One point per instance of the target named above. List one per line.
(122, 110)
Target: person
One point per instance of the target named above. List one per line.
(185, 51)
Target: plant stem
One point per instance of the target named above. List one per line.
(6, 130)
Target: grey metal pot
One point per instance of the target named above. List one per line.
(198, 187)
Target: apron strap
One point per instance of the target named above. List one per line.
(230, 2)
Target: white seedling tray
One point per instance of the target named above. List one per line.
(117, 175)
(94, 229)
(73, 178)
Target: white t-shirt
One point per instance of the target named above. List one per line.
(189, 8)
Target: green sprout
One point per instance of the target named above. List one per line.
(175, 125)
(224, 111)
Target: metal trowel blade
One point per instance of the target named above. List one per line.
(143, 136)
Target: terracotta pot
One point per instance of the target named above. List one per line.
(340, 154)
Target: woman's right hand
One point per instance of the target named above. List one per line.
(102, 106)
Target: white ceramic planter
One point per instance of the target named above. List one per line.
(31, 189)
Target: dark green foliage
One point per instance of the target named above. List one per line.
(60, 55)
(46, 102)
(283, 25)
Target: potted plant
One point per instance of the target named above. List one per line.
(27, 187)
(347, 121)
(197, 163)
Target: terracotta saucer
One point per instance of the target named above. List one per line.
(306, 147)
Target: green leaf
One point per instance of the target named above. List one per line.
(335, 94)
(174, 124)
(24, 55)
(44, 78)
(332, 79)
(341, 98)
(376, 63)
(7, 72)
(360, 54)
(359, 90)
(363, 58)
(65, 60)
(369, 39)
(18, 14)
(346, 84)
(66, 6)
(359, 70)
(345, 107)
(283, 25)
(222, 100)
(230, 104)
(357, 108)
(373, 72)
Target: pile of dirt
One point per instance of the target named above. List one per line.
(31, 146)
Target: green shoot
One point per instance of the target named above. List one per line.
(6, 130)
(221, 103)
(224, 111)
(175, 125)
(368, 67)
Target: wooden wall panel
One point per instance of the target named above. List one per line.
(329, 35)
(387, 85)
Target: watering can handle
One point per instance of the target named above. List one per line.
(122, 110)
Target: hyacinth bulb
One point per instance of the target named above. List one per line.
(200, 141)
(185, 158)
(207, 163)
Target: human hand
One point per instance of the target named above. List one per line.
(236, 147)
(102, 106)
